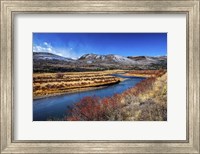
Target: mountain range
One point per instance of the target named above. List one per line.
(48, 62)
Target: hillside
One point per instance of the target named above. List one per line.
(49, 56)
(109, 59)
(46, 62)
(147, 101)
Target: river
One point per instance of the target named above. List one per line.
(56, 106)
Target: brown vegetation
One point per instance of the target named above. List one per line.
(146, 73)
(147, 101)
(46, 84)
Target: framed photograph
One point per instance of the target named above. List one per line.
(92, 75)
(99, 76)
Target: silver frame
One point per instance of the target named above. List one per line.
(11, 7)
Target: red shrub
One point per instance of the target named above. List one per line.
(87, 109)
(96, 109)
(92, 108)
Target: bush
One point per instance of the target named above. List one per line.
(59, 75)
(87, 109)
(93, 109)
(151, 111)
(121, 106)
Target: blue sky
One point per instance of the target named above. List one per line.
(74, 45)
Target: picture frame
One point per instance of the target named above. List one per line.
(11, 7)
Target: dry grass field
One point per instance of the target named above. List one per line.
(145, 73)
(49, 84)
(146, 101)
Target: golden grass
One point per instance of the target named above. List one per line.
(146, 101)
(47, 84)
(144, 73)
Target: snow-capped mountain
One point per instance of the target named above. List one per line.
(111, 58)
(146, 60)
(49, 56)
(48, 62)
(117, 59)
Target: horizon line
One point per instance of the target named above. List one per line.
(101, 55)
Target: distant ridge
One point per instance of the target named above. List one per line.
(48, 62)
(110, 58)
(49, 56)
(132, 60)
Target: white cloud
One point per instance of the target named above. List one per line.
(38, 48)
(65, 52)
(45, 43)
(49, 49)
(45, 47)
(69, 53)
(48, 45)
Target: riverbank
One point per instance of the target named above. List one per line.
(53, 84)
(146, 101)
(54, 108)
(144, 73)
(71, 91)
